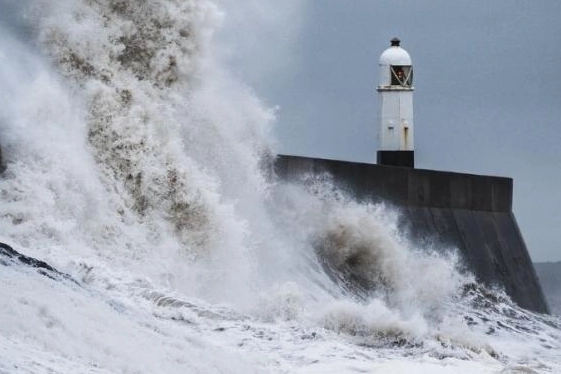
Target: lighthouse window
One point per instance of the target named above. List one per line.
(401, 75)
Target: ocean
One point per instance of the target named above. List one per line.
(139, 168)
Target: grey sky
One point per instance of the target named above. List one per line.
(487, 99)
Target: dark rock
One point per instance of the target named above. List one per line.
(9, 256)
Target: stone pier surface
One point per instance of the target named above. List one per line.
(472, 213)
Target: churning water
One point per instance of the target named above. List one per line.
(138, 166)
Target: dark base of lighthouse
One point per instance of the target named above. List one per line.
(396, 158)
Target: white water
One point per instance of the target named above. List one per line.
(139, 165)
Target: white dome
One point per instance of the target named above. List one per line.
(395, 56)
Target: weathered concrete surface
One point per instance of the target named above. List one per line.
(472, 213)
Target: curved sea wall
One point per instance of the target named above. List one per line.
(472, 213)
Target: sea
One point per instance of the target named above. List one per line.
(138, 169)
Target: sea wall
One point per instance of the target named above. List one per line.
(472, 213)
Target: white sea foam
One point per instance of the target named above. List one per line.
(138, 164)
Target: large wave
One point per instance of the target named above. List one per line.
(130, 157)
(140, 166)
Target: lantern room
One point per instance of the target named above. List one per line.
(395, 67)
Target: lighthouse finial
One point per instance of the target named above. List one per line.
(395, 42)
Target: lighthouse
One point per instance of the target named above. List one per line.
(395, 100)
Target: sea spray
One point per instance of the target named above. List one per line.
(123, 54)
(138, 165)
(179, 193)
(170, 166)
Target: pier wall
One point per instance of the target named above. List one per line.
(472, 213)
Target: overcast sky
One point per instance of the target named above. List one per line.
(487, 97)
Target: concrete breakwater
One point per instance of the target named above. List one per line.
(472, 213)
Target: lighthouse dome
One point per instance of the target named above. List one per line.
(395, 55)
(396, 71)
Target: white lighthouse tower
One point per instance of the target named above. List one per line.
(395, 99)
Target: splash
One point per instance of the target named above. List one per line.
(147, 166)
(132, 60)
(138, 166)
